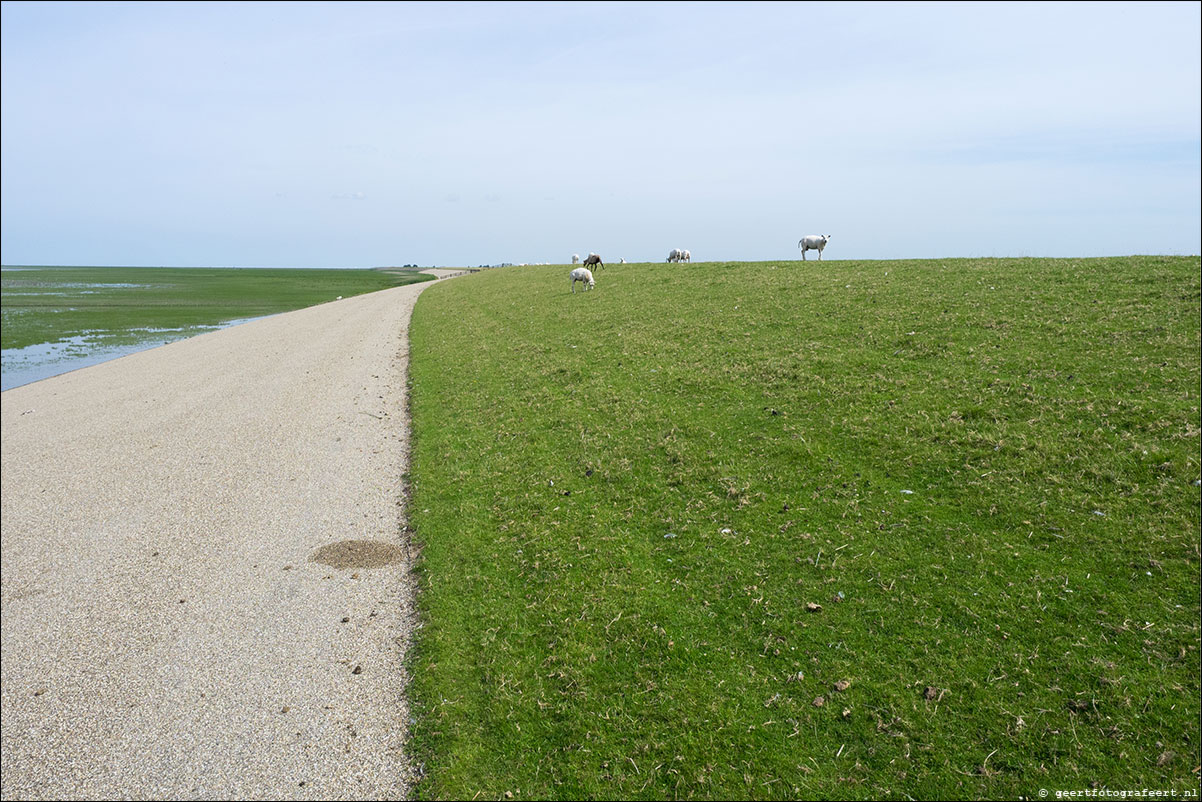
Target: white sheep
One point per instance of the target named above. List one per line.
(685, 256)
(814, 242)
(575, 258)
(674, 255)
(584, 276)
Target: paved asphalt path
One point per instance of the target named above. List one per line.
(168, 630)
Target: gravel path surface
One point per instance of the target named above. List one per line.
(168, 628)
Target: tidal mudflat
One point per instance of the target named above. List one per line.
(59, 319)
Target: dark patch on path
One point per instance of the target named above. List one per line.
(358, 554)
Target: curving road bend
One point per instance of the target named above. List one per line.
(206, 592)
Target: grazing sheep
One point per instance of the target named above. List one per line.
(621, 261)
(814, 242)
(674, 255)
(685, 256)
(575, 258)
(584, 276)
(593, 259)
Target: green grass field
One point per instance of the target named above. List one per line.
(921, 529)
(126, 305)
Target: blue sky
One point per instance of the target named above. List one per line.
(358, 135)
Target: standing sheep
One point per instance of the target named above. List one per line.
(575, 258)
(585, 277)
(685, 256)
(674, 255)
(593, 259)
(814, 242)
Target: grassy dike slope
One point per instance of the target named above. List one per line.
(772, 530)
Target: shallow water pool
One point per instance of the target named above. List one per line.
(21, 366)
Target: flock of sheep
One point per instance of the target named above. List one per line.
(814, 242)
(583, 274)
